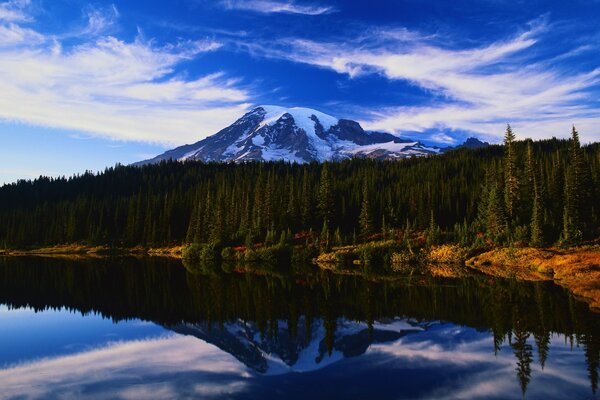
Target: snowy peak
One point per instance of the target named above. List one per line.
(307, 350)
(297, 134)
(305, 118)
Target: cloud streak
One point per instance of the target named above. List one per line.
(159, 368)
(271, 7)
(110, 87)
(477, 89)
(13, 11)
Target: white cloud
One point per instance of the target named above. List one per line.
(99, 20)
(112, 88)
(134, 369)
(272, 6)
(14, 10)
(476, 89)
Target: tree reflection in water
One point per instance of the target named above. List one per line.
(519, 314)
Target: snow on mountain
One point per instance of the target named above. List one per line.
(270, 133)
(305, 351)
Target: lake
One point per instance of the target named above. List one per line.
(128, 328)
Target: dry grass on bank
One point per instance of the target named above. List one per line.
(577, 269)
(80, 250)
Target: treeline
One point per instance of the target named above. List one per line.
(539, 192)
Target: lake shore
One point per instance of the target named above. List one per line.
(80, 250)
(577, 269)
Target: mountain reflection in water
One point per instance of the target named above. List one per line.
(303, 332)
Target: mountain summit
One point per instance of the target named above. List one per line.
(302, 135)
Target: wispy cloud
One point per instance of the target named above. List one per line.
(13, 11)
(273, 6)
(477, 89)
(134, 369)
(100, 20)
(124, 90)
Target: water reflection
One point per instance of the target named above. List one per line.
(303, 332)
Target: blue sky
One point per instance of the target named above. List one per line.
(88, 84)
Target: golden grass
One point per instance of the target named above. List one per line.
(577, 269)
(446, 254)
(82, 251)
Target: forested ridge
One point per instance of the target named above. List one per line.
(534, 192)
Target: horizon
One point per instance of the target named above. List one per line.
(93, 85)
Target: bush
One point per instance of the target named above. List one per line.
(341, 256)
(404, 261)
(521, 235)
(202, 252)
(191, 252)
(446, 254)
(228, 254)
(377, 254)
(304, 254)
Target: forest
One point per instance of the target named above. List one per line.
(526, 192)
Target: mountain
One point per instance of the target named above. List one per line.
(296, 134)
(472, 143)
(307, 350)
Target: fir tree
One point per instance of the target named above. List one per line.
(537, 233)
(433, 231)
(326, 202)
(365, 219)
(574, 193)
(495, 218)
(511, 183)
(524, 355)
(537, 214)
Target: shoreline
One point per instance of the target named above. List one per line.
(577, 269)
(76, 250)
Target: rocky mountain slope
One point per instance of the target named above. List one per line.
(302, 135)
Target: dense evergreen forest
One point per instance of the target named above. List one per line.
(536, 193)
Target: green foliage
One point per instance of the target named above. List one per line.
(434, 234)
(375, 255)
(326, 201)
(511, 181)
(520, 236)
(495, 219)
(208, 252)
(577, 194)
(365, 217)
(228, 254)
(345, 202)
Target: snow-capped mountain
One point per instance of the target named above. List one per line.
(306, 350)
(295, 134)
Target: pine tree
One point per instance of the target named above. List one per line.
(537, 214)
(365, 219)
(495, 217)
(511, 183)
(326, 202)
(325, 238)
(574, 193)
(524, 355)
(433, 231)
(307, 202)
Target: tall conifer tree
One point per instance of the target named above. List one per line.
(511, 182)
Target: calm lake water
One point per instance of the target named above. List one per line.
(153, 328)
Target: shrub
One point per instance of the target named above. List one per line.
(191, 252)
(446, 254)
(228, 254)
